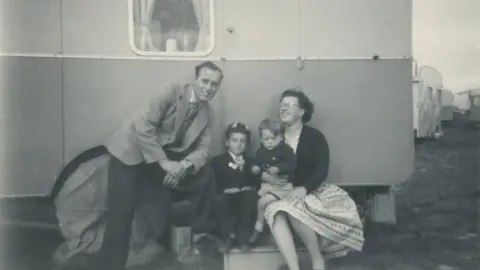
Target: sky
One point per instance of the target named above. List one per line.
(446, 36)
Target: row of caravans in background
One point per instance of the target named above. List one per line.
(434, 105)
(427, 101)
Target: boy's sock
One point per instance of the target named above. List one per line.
(257, 232)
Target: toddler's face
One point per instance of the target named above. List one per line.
(237, 143)
(270, 140)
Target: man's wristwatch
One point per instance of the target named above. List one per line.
(189, 165)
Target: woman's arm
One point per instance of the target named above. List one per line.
(289, 161)
(321, 158)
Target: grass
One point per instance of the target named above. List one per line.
(437, 211)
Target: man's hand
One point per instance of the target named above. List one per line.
(174, 168)
(255, 169)
(273, 170)
(170, 181)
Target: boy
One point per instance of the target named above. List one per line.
(277, 159)
(237, 187)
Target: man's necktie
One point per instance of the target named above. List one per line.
(191, 110)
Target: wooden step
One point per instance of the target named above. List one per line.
(262, 257)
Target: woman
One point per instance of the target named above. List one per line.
(323, 215)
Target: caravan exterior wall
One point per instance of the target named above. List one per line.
(474, 98)
(447, 105)
(72, 70)
(461, 102)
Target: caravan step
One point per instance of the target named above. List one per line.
(264, 257)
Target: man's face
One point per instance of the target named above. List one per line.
(207, 84)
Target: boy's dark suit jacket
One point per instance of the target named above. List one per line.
(228, 177)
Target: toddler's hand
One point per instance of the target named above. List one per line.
(273, 170)
(255, 169)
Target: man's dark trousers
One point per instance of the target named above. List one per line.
(123, 191)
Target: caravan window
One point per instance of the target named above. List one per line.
(171, 27)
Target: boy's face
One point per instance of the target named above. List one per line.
(269, 140)
(237, 143)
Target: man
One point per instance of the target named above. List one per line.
(168, 144)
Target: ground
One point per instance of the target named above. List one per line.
(437, 219)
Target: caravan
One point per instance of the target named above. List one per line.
(72, 70)
(474, 99)
(427, 102)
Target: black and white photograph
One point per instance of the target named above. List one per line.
(233, 135)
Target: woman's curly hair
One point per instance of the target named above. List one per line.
(303, 102)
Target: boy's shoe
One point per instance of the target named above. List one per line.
(224, 245)
(245, 248)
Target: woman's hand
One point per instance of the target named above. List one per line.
(297, 194)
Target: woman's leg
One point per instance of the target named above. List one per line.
(309, 238)
(283, 237)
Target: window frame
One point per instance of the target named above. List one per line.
(131, 37)
(429, 93)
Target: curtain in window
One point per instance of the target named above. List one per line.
(202, 12)
(143, 10)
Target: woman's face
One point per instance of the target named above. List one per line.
(290, 111)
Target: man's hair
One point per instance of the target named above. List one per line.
(276, 126)
(209, 65)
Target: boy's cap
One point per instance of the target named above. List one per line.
(237, 127)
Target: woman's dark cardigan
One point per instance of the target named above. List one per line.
(312, 159)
